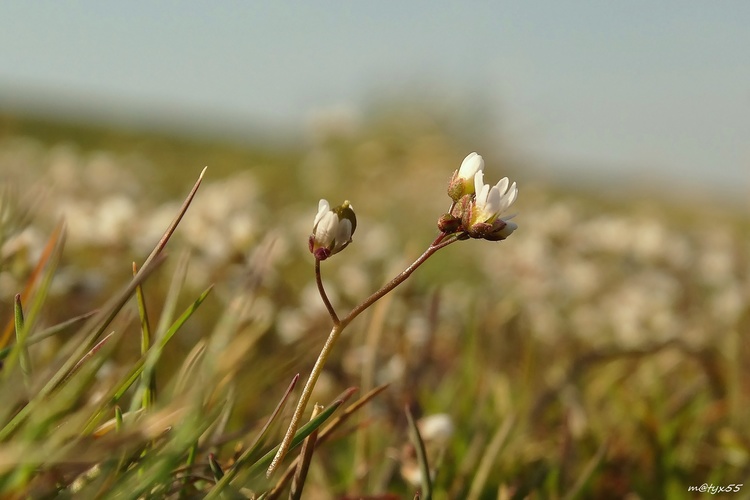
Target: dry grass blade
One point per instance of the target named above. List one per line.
(89, 354)
(34, 309)
(170, 230)
(580, 483)
(53, 242)
(489, 456)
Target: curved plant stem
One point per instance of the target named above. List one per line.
(436, 245)
(338, 326)
(323, 294)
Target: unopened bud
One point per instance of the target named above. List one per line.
(332, 229)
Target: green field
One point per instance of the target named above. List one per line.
(598, 352)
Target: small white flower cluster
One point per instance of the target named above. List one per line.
(475, 213)
(477, 207)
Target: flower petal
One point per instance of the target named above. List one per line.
(478, 182)
(502, 185)
(323, 208)
(472, 164)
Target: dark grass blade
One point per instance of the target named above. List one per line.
(215, 467)
(21, 336)
(149, 393)
(424, 467)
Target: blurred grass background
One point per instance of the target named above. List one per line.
(599, 352)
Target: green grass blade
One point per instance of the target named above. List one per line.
(98, 324)
(48, 332)
(21, 335)
(155, 352)
(37, 302)
(265, 460)
(150, 390)
(258, 442)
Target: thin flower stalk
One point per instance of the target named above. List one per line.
(440, 242)
(475, 212)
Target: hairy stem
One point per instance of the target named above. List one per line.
(323, 294)
(338, 326)
(305, 397)
(436, 245)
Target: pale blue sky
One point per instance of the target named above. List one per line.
(642, 88)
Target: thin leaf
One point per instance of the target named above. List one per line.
(90, 354)
(21, 334)
(588, 471)
(265, 460)
(149, 393)
(424, 467)
(47, 273)
(49, 250)
(489, 456)
(332, 426)
(155, 351)
(250, 451)
(154, 354)
(170, 230)
(305, 457)
(215, 467)
(99, 324)
(48, 332)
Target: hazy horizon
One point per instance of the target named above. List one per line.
(638, 91)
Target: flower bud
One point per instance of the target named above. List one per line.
(448, 224)
(462, 182)
(332, 229)
(501, 229)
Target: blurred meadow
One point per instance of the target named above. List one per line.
(598, 352)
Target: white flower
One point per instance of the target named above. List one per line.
(492, 201)
(471, 165)
(489, 204)
(332, 229)
(462, 182)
